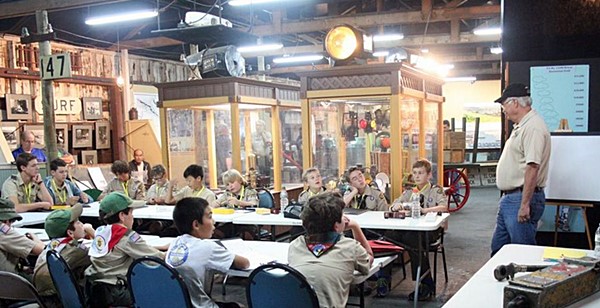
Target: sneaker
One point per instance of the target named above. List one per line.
(425, 293)
(383, 287)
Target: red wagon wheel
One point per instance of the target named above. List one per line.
(457, 188)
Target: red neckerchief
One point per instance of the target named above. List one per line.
(319, 244)
(118, 231)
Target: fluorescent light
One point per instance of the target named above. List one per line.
(256, 48)
(388, 37)
(120, 17)
(459, 79)
(496, 50)
(381, 53)
(307, 58)
(425, 50)
(248, 2)
(488, 31)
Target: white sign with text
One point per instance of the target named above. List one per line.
(62, 105)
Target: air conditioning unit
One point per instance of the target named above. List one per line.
(200, 19)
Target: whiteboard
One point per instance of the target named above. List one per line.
(574, 168)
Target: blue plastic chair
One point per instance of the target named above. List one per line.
(277, 285)
(265, 198)
(17, 288)
(153, 283)
(68, 290)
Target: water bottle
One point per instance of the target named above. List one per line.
(283, 198)
(597, 246)
(415, 204)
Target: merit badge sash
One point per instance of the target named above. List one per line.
(105, 239)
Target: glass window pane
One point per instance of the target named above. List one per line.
(291, 145)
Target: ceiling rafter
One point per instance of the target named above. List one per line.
(23, 8)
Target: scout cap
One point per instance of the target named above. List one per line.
(58, 221)
(7, 210)
(116, 202)
(513, 90)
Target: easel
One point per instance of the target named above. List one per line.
(584, 206)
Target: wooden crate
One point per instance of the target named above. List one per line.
(382, 161)
(454, 141)
(454, 156)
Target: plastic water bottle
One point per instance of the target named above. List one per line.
(415, 204)
(283, 198)
(597, 246)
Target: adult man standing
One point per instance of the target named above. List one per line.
(26, 189)
(522, 170)
(27, 142)
(140, 169)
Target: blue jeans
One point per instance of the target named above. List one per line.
(508, 229)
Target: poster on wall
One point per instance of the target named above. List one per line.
(146, 105)
(561, 92)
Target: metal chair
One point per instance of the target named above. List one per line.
(153, 283)
(277, 285)
(68, 290)
(438, 247)
(17, 288)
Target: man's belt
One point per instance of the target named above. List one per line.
(520, 189)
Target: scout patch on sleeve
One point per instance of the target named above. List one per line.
(178, 255)
(5, 228)
(134, 237)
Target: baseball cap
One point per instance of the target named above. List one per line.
(7, 210)
(116, 202)
(513, 90)
(58, 221)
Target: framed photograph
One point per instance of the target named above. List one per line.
(102, 135)
(89, 157)
(38, 132)
(62, 135)
(12, 134)
(82, 135)
(18, 107)
(92, 108)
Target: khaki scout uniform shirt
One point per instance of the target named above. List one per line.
(14, 186)
(372, 199)
(157, 191)
(246, 194)
(135, 188)
(13, 246)
(434, 196)
(307, 194)
(529, 142)
(114, 265)
(188, 192)
(76, 256)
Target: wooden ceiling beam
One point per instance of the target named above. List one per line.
(151, 42)
(23, 8)
(375, 19)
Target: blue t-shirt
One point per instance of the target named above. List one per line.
(39, 153)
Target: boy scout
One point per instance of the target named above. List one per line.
(114, 248)
(26, 189)
(13, 245)
(131, 187)
(194, 176)
(434, 201)
(361, 195)
(61, 189)
(314, 185)
(66, 233)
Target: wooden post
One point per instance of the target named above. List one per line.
(41, 18)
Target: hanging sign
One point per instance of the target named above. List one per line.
(55, 66)
(62, 105)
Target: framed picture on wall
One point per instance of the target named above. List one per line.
(82, 135)
(102, 135)
(12, 134)
(38, 132)
(62, 136)
(18, 107)
(92, 108)
(89, 157)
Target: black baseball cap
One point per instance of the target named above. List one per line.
(513, 90)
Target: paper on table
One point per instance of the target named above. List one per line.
(97, 177)
(238, 247)
(557, 253)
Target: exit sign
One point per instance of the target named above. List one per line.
(55, 66)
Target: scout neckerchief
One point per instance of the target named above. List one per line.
(198, 193)
(58, 244)
(159, 190)
(106, 238)
(125, 184)
(62, 200)
(319, 244)
(424, 187)
(361, 202)
(28, 192)
(311, 194)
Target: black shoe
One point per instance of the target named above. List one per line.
(425, 293)
(355, 290)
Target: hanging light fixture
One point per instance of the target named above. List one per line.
(345, 43)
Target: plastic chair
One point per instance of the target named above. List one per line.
(93, 192)
(438, 247)
(68, 290)
(17, 288)
(265, 198)
(153, 283)
(277, 285)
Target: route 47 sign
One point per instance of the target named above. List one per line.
(55, 66)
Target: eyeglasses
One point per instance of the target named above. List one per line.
(506, 103)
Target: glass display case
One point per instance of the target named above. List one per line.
(383, 117)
